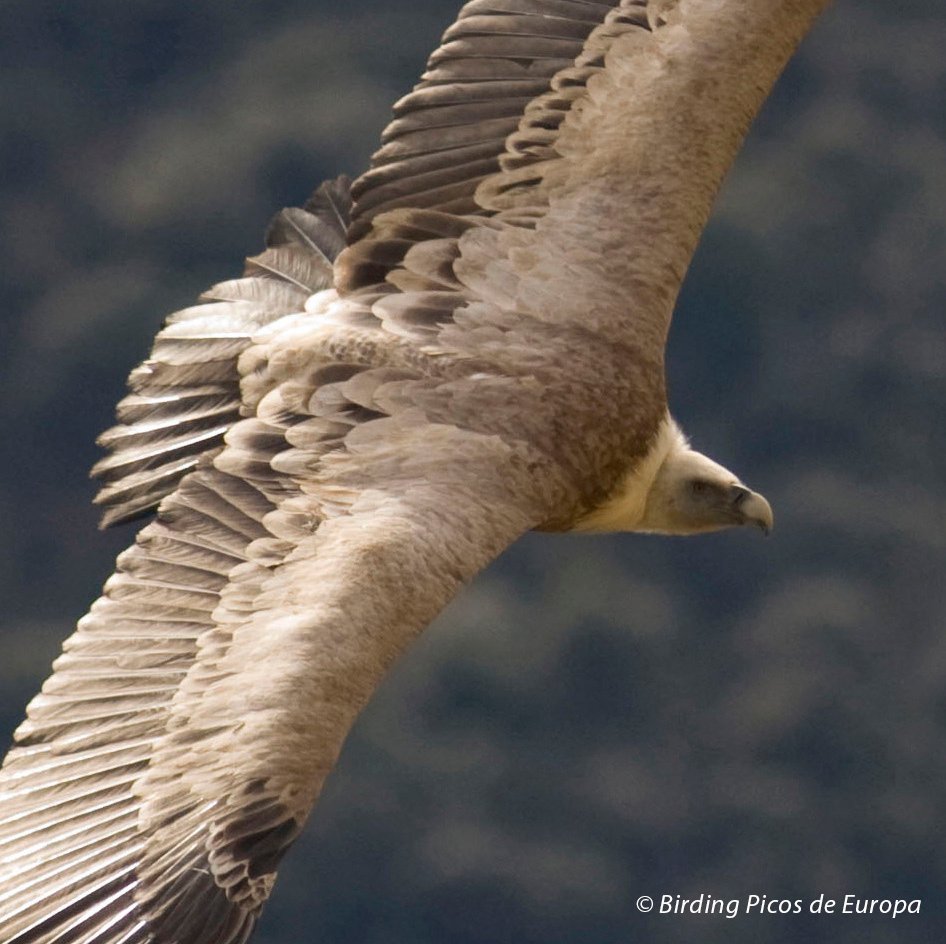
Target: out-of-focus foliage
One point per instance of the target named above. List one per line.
(595, 719)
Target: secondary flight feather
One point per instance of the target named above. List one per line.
(464, 344)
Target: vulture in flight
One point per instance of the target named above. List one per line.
(465, 343)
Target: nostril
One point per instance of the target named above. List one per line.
(738, 494)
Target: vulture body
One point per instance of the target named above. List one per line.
(465, 344)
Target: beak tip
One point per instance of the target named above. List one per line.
(758, 511)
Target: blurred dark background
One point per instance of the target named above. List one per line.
(595, 718)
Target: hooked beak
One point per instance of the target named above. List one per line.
(752, 508)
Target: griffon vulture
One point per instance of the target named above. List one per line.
(464, 344)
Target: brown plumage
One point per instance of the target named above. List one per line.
(340, 439)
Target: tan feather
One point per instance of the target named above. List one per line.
(334, 451)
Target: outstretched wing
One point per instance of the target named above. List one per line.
(175, 752)
(592, 137)
(185, 397)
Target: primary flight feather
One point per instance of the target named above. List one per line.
(464, 344)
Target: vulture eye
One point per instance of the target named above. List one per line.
(699, 486)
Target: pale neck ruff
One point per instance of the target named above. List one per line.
(624, 509)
